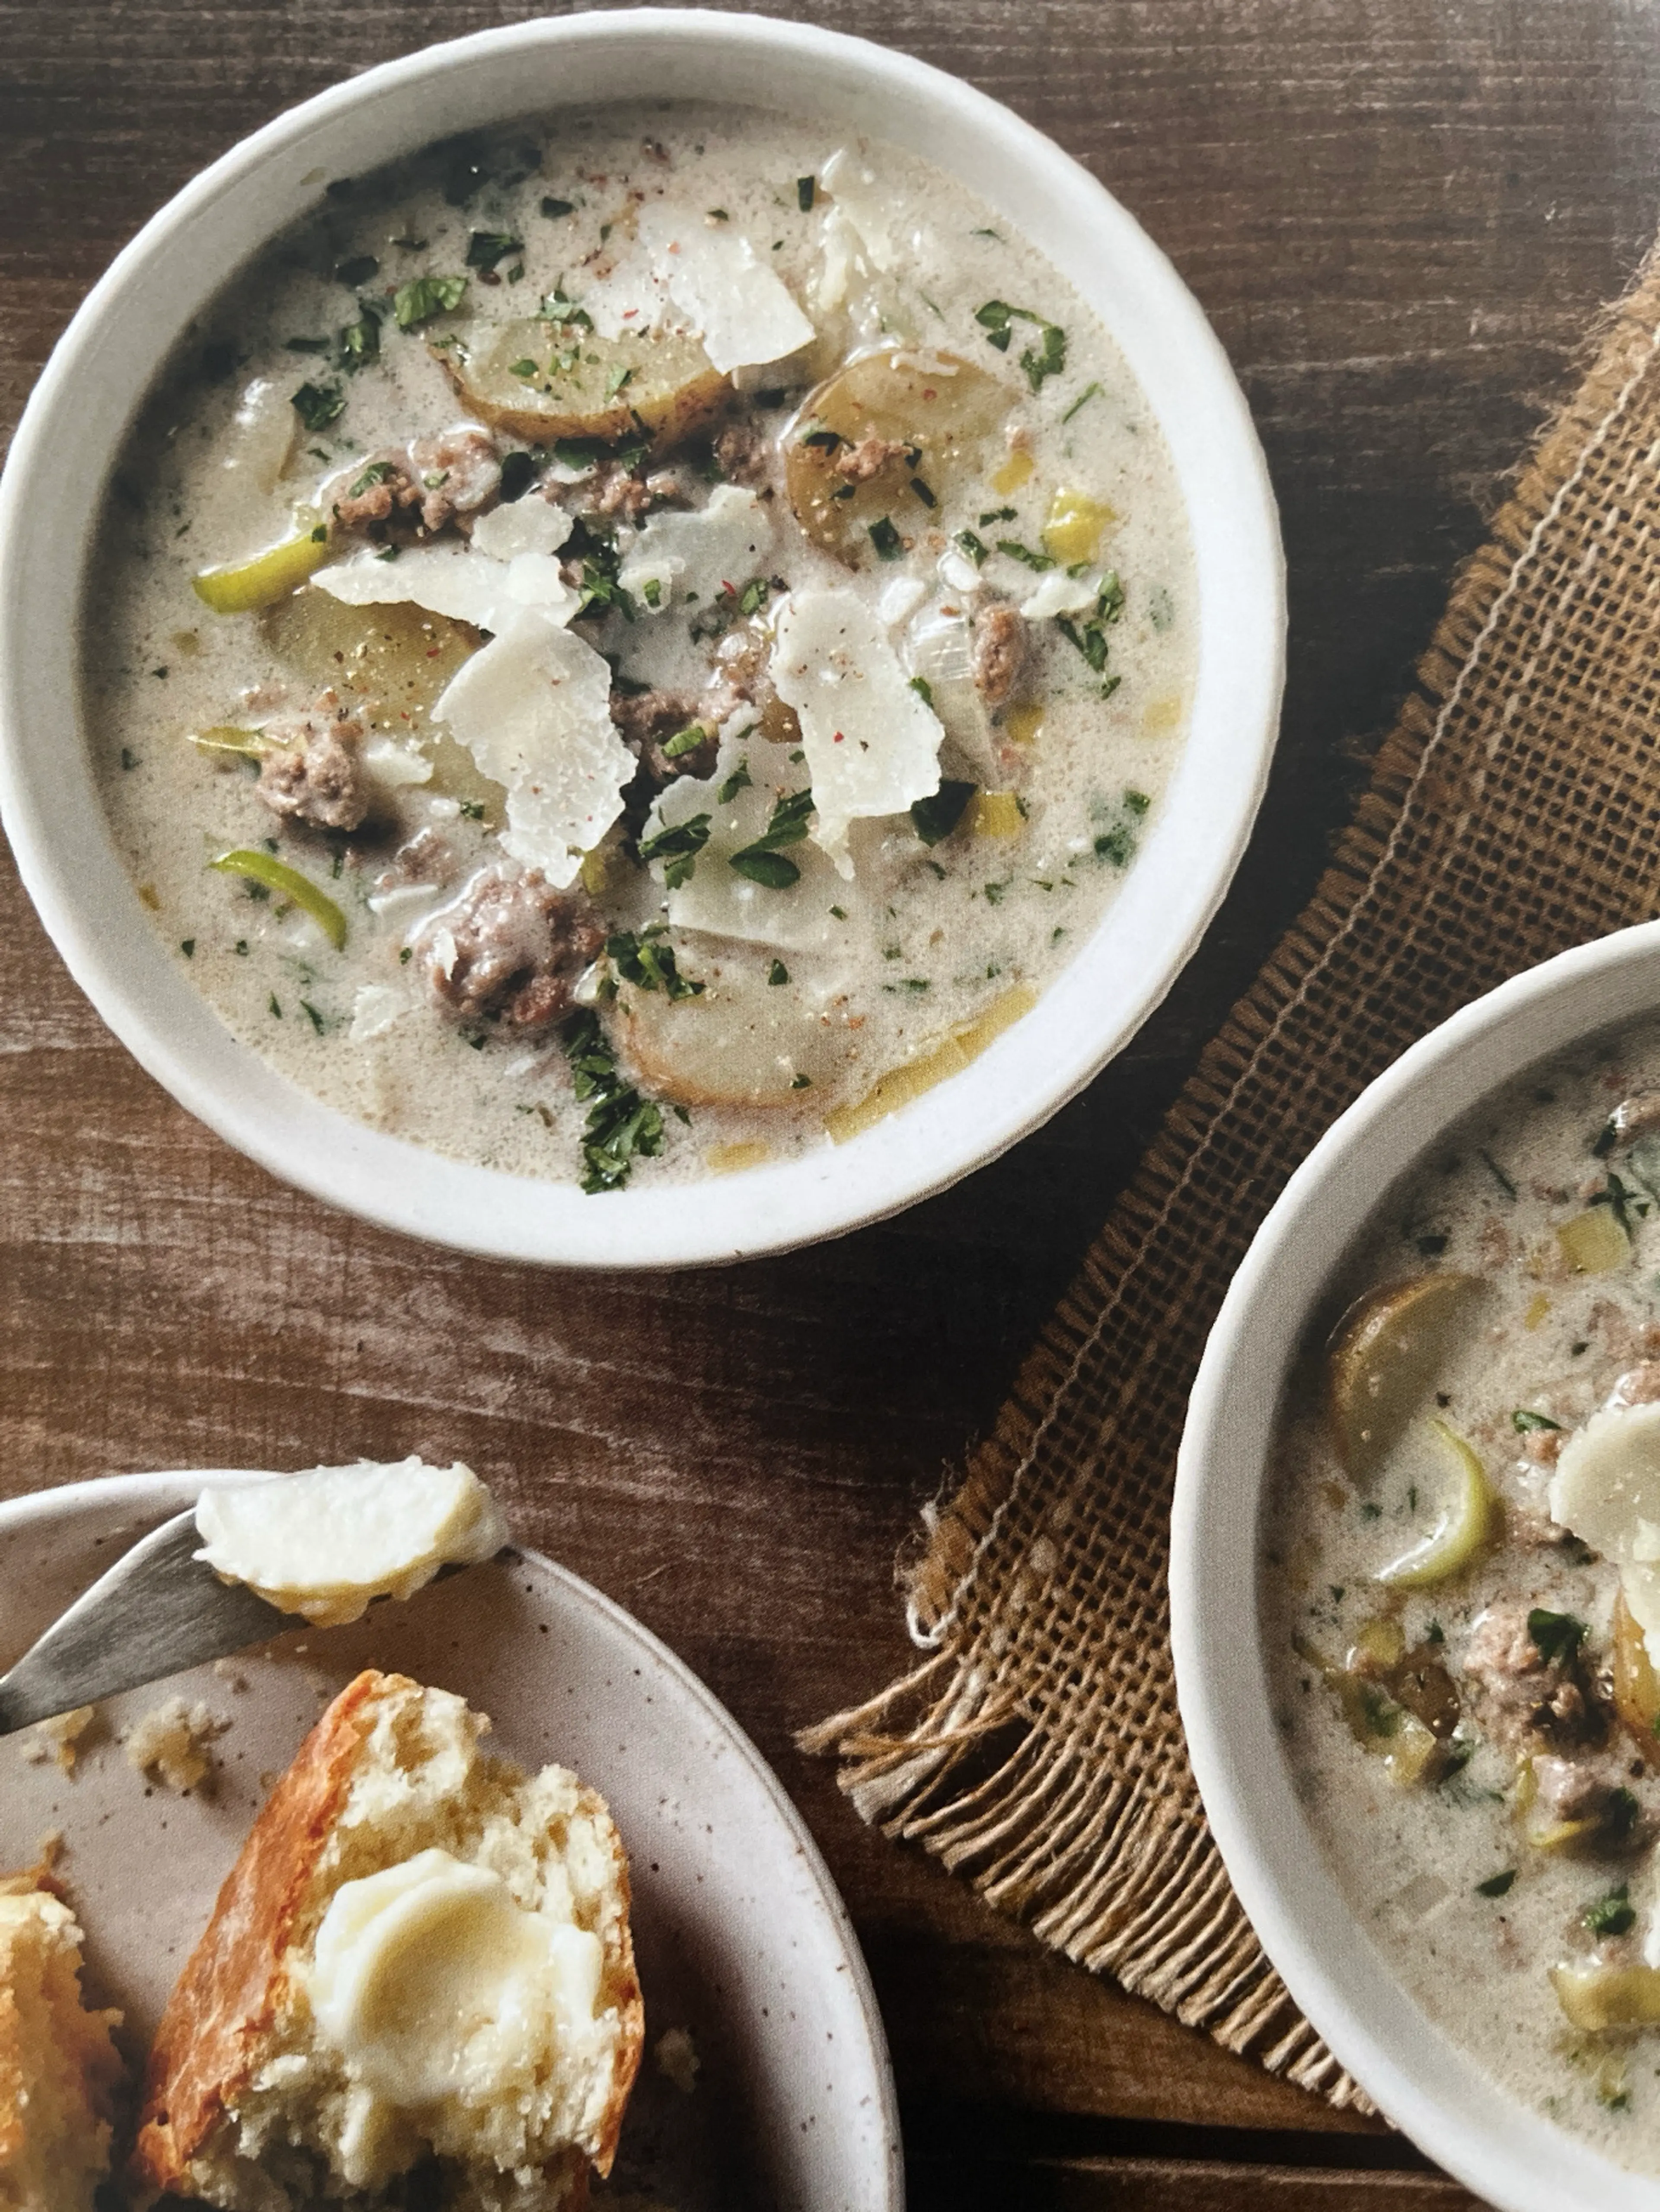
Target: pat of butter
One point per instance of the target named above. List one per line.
(326, 1543)
(433, 1983)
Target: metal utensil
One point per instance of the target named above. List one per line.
(158, 1610)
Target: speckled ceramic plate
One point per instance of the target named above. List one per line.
(742, 1940)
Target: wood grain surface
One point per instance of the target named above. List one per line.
(1402, 215)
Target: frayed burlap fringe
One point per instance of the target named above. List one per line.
(1514, 809)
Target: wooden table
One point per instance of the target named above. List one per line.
(1402, 215)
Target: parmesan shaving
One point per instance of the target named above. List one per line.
(726, 542)
(464, 581)
(872, 745)
(742, 311)
(533, 709)
(717, 901)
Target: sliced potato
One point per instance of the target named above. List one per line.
(940, 410)
(1596, 1997)
(540, 381)
(912, 1077)
(1380, 1359)
(741, 1042)
(1635, 1685)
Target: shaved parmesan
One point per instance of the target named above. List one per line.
(533, 709)
(462, 581)
(1061, 594)
(1606, 1491)
(719, 902)
(865, 204)
(872, 745)
(523, 526)
(726, 542)
(733, 299)
(395, 765)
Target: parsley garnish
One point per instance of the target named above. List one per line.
(1613, 1915)
(486, 248)
(806, 190)
(1497, 1174)
(886, 539)
(975, 548)
(734, 783)
(557, 308)
(554, 208)
(621, 1125)
(761, 862)
(646, 962)
(1024, 554)
(1045, 359)
(305, 345)
(1091, 638)
(1523, 1419)
(679, 846)
(685, 741)
(377, 472)
(1556, 1636)
(423, 297)
(778, 972)
(938, 814)
(1090, 392)
(1496, 1885)
(317, 405)
(997, 514)
(753, 597)
(315, 1019)
(923, 689)
(359, 343)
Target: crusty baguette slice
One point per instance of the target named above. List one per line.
(246, 2102)
(58, 2068)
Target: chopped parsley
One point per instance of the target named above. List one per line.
(305, 345)
(889, 546)
(317, 405)
(1090, 392)
(486, 248)
(677, 847)
(1024, 555)
(557, 308)
(1047, 358)
(518, 475)
(1556, 1636)
(1613, 1915)
(1497, 1174)
(358, 270)
(359, 343)
(975, 548)
(423, 297)
(187, 947)
(1497, 1885)
(311, 1012)
(473, 809)
(923, 689)
(761, 862)
(753, 597)
(736, 781)
(935, 817)
(621, 1125)
(685, 741)
(778, 972)
(553, 209)
(376, 473)
(806, 190)
(1090, 637)
(997, 514)
(646, 962)
(1523, 1419)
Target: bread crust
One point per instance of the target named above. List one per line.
(228, 1995)
(235, 1980)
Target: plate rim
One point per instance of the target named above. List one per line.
(172, 1490)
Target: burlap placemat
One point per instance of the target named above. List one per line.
(1515, 809)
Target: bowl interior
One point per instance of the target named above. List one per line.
(119, 343)
(1514, 2158)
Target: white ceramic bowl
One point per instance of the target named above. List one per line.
(1513, 2158)
(73, 430)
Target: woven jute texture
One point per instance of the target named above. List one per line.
(1514, 810)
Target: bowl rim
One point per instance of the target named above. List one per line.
(1510, 2154)
(1149, 931)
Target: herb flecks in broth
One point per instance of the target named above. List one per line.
(639, 598)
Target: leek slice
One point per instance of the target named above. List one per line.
(277, 876)
(1463, 1529)
(224, 738)
(1384, 1357)
(241, 586)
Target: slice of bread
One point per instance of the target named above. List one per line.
(60, 2070)
(250, 2103)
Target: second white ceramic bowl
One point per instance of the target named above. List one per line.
(71, 434)
(1514, 2158)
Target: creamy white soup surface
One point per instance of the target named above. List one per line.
(1461, 1585)
(631, 648)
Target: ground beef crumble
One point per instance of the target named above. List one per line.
(509, 950)
(312, 771)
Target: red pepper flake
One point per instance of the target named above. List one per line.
(930, 395)
(837, 739)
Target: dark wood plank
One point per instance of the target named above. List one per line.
(1401, 216)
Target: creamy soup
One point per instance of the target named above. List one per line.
(634, 646)
(1462, 1585)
